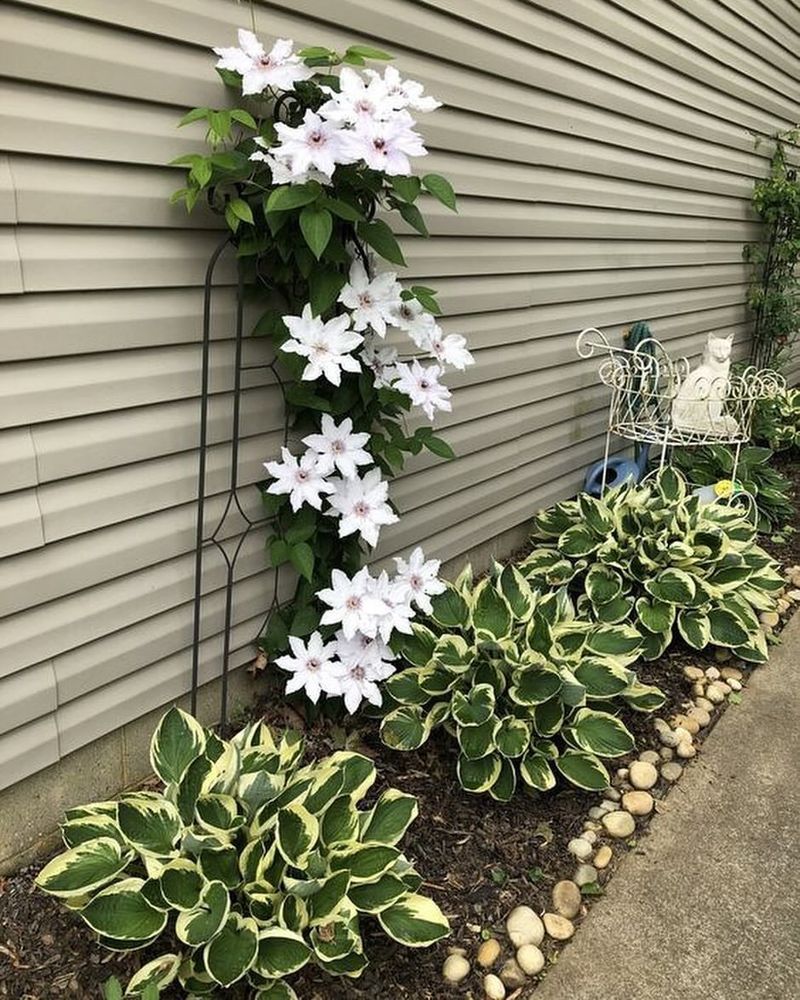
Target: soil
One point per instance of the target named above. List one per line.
(480, 859)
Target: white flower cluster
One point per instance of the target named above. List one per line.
(367, 609)
(367, 119)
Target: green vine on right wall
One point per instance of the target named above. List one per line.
(774, 293)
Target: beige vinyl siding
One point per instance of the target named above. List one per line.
(603, 155)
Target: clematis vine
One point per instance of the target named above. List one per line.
(307, 174)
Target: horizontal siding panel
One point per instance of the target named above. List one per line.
(21, 525)
(28, 749)
(27, 696)
(17, 460)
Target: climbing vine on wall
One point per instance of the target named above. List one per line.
(319, 150)
(774, 294)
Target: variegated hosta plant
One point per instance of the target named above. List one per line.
(247, 864)
(520, 683)
(655, 557)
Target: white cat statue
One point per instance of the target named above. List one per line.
(699, 403)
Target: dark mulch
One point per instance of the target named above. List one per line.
(480, 858)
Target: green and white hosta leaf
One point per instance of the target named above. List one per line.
(280, 953)
(672, 586)
(532, 685)
(198, 925)
(477, 741)
(158, 973)
(218, 813)
(297, 832)
(181, 884)
(491, 614)
(584, 770)
(83, 869)
(506, 782)
(121, 912)
(579, 540)
(221, 865)
(453, 651)
(755, 650)
(415, 921)
(474, 708)
(85, 828)
(726, 629)
(603, 584)
(340, 822)
(655, 616)
(372, 897)
(478, 775)
(548, 717)
(364, 862)
(91, 809)
(450, 610)
(615, 611)
(654, 643)
(404, 728)
(151, 825)
(416, 648)
(536, 771)
(600, 733)
(595, 514)
(517, 592)
(390, 817)
(196, 981)
(405, 687)
(513, 736)
(643, 697)
(327, 898)
(276, 991)
(191, 785)
(614, 640)
(694, 627)
(358, 773)
(229, 955)
(601, 677)
(177, 741)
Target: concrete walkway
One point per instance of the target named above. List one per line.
(708, 905)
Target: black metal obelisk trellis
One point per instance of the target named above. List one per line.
(232, 502)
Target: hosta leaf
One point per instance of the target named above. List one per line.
(654, 643)
(601, 677)
(340, 822)
(390, 817)
(372, 897)
(600, 733)
(157, 974)
(584, 770)
(535, 771)
(195, 927)
(181, 884)
(177, 741)
(755, 650)
(325, 900)
(655, 616)
(478, 775)
(643, 697)
(726, 629)
(491, 615)
(416, 648)
(533, 685)
(595, 514)
(415, 921)
(517, 592)
(673, 586)
(477, 741)
(221, 865)
(364, 862)
(512, 737)
(615, 611)
(296, 833)
(218, 813)
(603, 584)
(83, 869)
(405, 687)
(614, 640)
(694, 627)
(450, 610)
(358, 772)
(84, 828)
(548, 717)
(473, 709)
(280, 953)
(278, 990)
(453, 651)
(579, 540)
(229, 955)
(506, 784)
(404, 728)
(121, 912)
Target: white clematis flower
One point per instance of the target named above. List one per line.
(315, 143)
(384, 146)
(419, 579)
(338, 448)
(403, 93)
(352, 604)
(313, 665)
(381, 362)
(399, 611)
(326, 345)
(422, 386)
(281, 168)
(412, 319)
(361, 505)
(356, 685)
(302, 480)
(371, 301)
(450, 350)
(357, 100)
(374, 654)
(280, 68)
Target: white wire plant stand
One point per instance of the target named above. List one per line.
(645, 382)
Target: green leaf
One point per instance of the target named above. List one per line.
(390, 817)
(373, 897)
(340, 822)
(614, 640)
(181, 884)
(279, 551)
(198, 925)
(441, 189)
(656, 616)
(302, 557)
(365, 862)
(280, 952)
(478, 776)
(412, 215)
(601, 733)
(535, 771)
(450, 610)
(283, 199)
(151, 825)
(297, 833)
(577, 541)
(157, 974)
(415, 921)
(478, 741)
(726, 629)
(603, 584)
(583, 770)
(368, 52)
(324, 286)
(602, 678)
(382, 240)
(491, 615)
(694, 627)
(316, 225)
(404, 728)
(241, 210)
(122, 912)
(177, 741)
(439, 447)
(534, 685)
(327, 898)
(343, 209)
(407, 188)
(474, 708)
(513, 736)
(673, 586)
(83, 869)
(230, 954)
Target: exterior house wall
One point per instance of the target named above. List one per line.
(604, 159)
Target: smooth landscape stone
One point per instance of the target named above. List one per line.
(455, 969)
(769, 618)
(589, 835)
(609, 805)
(698, 690)
(649, 757)
(558, 927)
(704, 703)
(712, 673)
(715, 694)
(488, 953)
(455, 950)
(619, 824)
(530, 959)
(666, 753)
(683, 735)
(512, 975)
(700, 715)
(693, 673)
(603, 857)
(734, 685)
(731, 674)
(580, 848)
(643, 775)
(638, 803)
(524, 927)
(613, 794)
(589, 824)
(668, 738)
(493, 987)
(671, 771)
(794, 595)
(585, 875)
(688, 723)
(685, 751)
(596, 812)
(567, 899)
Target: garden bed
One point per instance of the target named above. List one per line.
(481, 858)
